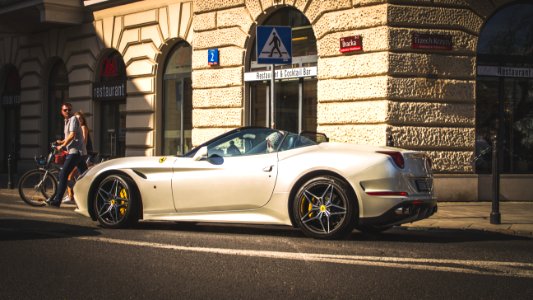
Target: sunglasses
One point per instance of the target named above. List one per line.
(68, 109)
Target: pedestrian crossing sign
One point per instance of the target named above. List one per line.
(274, 45)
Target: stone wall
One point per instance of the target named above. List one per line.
(432, 92)
(33, 56)
(137, 31)
(424, 99)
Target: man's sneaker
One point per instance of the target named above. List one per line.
(50, 202)
(66, 199)
(69, 201)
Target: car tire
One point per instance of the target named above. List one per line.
(116, 202)
(323, 208)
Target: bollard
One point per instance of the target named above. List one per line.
(495, 217)
(9, 170)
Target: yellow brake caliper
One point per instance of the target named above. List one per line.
(309, 207)
(124, 195)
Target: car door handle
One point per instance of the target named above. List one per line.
(268, 169)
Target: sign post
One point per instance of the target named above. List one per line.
(274, 46)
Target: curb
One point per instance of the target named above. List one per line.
(506, 231)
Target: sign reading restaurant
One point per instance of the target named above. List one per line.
(10, 100)
(431, 41)
(505, 71)
(281, 74)
(109, 90)
(111, 82)
(11, 90)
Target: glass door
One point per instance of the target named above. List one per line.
(287, 103)
(294, 108)
(112, 130)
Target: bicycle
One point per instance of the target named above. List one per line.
(38, 185)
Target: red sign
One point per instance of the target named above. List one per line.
(111, 83)
(432, 41)
(109, 67)
(351, 43)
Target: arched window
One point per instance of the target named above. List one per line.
(57, 94)
(177, 101)
(505, 89)
(295, 102)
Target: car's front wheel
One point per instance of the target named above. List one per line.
(323, 209)
(116, 202)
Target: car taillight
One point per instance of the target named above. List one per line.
(396, 156)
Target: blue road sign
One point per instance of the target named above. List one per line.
(212, 57)
(274, 45)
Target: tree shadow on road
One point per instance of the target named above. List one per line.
(18, 229)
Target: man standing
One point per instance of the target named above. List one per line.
(73, 142)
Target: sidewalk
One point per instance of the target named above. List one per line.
(516, 217)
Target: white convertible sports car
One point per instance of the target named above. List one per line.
(265, 176)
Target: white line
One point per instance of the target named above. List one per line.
(493, 268)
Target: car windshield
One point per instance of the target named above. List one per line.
(251, 141)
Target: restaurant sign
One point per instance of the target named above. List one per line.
(11, 91)
(505, 71)
(111, 82)
(351, 44)
(10, 100)
(281, 74)
(109, 90)
(431, 41)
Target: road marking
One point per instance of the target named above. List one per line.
(493, 268)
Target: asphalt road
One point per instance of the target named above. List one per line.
(49, 253)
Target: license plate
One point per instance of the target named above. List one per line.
(422, 185)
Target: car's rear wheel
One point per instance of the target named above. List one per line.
(116, 202)
(323, 209)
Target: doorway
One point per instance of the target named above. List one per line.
(112, 130)
(10, 142)
(504, 90)
(295, 99)
(294, 108)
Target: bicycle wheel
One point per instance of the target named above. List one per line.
(36, 186)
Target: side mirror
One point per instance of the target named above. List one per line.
(200, 154)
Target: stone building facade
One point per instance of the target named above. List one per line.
(413, 94)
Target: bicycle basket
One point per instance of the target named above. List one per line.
(60, 157)
(41, 160)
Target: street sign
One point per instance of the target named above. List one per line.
(212, 57)
(274, 45)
